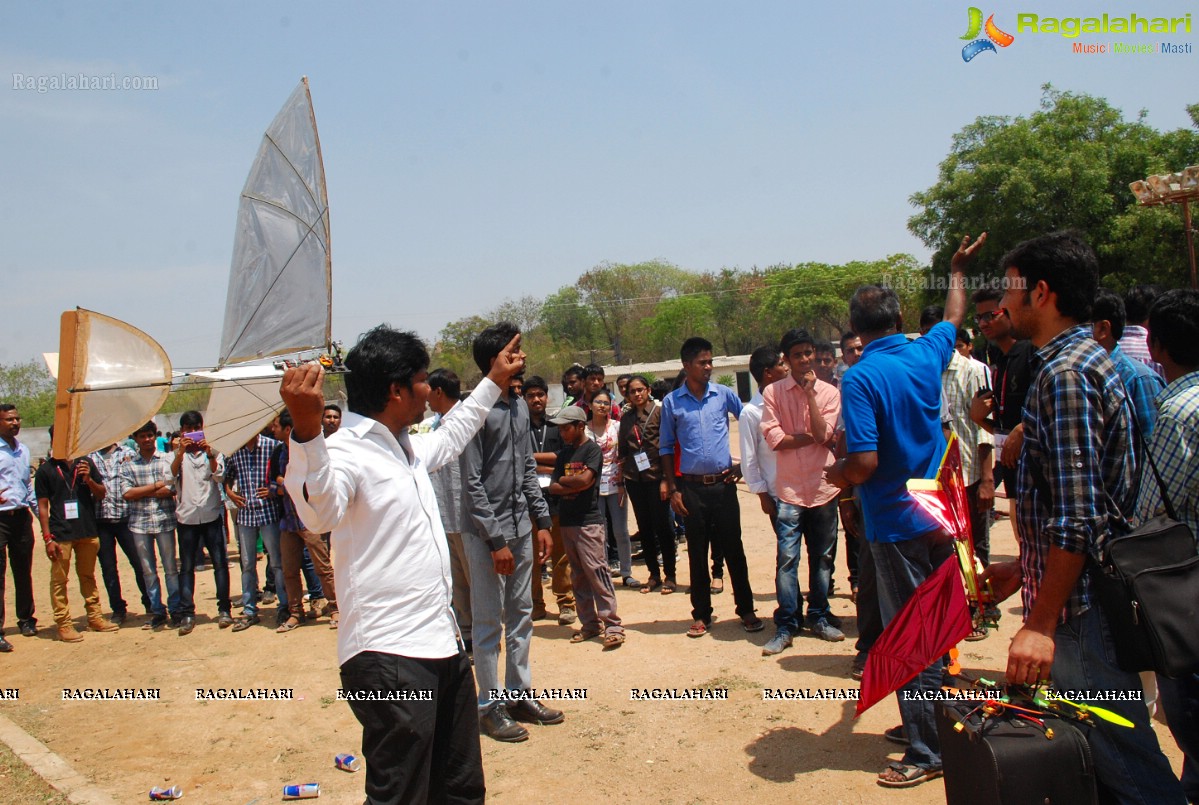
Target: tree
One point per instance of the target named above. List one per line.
(622, 296)
(815, 296)
(31, 388)
(1067, 165)
(675, 320)
(567, 320)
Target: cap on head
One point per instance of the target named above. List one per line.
(571, 413)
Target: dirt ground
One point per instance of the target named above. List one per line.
(609, 748)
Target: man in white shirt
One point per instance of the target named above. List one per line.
(199, 515)
(403, 668)
(758, 462)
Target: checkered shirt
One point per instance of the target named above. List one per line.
(150, 515)
(251, 470)
(1078, 469)
(113, 506)
(963, 377)
(1174, 446)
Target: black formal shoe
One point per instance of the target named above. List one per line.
(5, 646)
(186, 625)
(499, 725)
(28, 630)
(532, 711)
(117, 617)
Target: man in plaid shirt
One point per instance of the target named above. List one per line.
(258, 514)
(149, 486)
(112, 521)
(1075, 487)
(1174, 446)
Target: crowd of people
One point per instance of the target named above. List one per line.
(425, 539)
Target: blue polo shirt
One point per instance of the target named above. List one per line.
(699, 427)
(891, 403)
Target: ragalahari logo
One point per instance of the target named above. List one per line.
(994, 35)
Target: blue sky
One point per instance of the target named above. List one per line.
(480, 151)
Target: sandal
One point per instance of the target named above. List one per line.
(669, 587)
(650, 585)
(584, 635)
(632, 583)
(899, 775)
(613, 641)
(698, 629)
(334, 620)
(288, 625)
(717, 586)
(752, 623)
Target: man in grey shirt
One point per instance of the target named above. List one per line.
(499, 489)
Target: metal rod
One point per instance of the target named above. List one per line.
(1186, 218)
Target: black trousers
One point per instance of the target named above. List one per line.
(114, 533)
(714, 517)
(418, 751)
(870, 616)
(653, 518)
(16, 547)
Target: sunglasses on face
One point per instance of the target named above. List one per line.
(983, 318)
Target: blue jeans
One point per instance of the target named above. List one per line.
(247, 547)
(818, 527)
(165, 540)
(212, 537)
(901, 567)
(500, 606)
(311, 580)
(1128, 762)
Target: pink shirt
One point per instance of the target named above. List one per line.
(800, 477)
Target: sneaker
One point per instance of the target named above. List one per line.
(614, 569)
(826, 631)
(777, 644)
(833, 620)
(117, 617)
(269, 598)
(540, 614)
(567, 616)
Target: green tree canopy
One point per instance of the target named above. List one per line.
(30, 387)
(1066, 166)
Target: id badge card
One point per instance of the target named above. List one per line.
(71, 510)
(642, 460)
(606, 486)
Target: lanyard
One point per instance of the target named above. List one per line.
(71, 485)
(539, 438)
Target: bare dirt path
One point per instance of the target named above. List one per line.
(610, 748)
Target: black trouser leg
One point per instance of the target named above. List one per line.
(725, 515)
(696, 524)
(870, 617)
(16, 537)
(417, 751)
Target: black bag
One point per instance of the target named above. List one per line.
(1147, 584)
(1007, 760)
